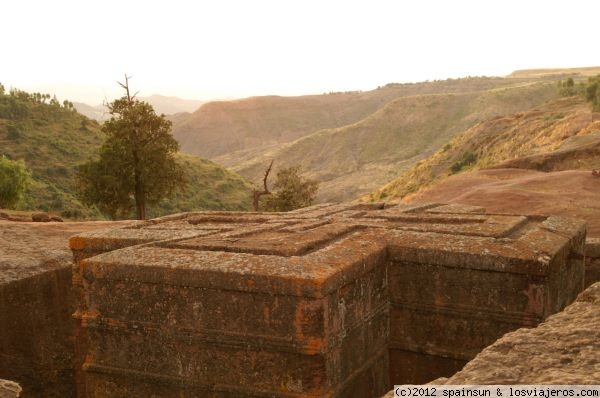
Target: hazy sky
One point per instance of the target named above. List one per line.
(223, 49)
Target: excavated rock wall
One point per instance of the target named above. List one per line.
(562, 350)
(36, 345)
(592, 261)
(565, 349)
(36, 305)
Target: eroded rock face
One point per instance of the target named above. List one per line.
(41, 217)
(36, 305)
(565, 349)
(592, 261)
(333, 300)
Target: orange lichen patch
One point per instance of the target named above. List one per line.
(77, 242)
(308, 325)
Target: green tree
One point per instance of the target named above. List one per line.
(567, 88)
(136, 165)
(14, 177)
(592, 93)
(291, 191)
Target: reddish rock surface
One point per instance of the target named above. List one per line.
(333, 300)
(570, 193)
(592, 261)
(565, 349)
(36, 305)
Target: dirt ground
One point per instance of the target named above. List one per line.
(568, 193)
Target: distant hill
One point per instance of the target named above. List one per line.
(53, 140)
(98, 112)
(250, 125)
(210, 187)
(556, 136)
(353, 142)
(555, 72)
(171, 105)
(160, 103)
(357, 158)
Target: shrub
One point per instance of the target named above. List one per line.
(467, 159)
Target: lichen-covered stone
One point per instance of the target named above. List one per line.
(328, 301)
(564, 349)
(36, 305)
(592, 261)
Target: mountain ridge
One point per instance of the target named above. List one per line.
(353, 159)
(220, 128)
(162, 104)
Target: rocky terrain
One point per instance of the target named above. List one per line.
(562, 350)
(26, 246)
(570, 193)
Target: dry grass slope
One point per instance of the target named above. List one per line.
(559, 135)
(219, 129)
(356, 158)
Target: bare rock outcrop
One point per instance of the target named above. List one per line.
(40, 217)
(562, 350)
(565, 349)
(327, 301)
(592, 261)
(36, 305)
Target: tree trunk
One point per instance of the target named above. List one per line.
(140, 200)
(140, 203)
(257, 194)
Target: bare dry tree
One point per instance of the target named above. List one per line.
(256, 194)
(125, 86)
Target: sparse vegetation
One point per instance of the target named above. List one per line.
(566, 88)
(524, 139)
(292, 191)
(14, 177)
(350, 160)
(592, 93)
(467, 159)
(589, 90)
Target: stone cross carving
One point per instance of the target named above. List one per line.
(328, 301)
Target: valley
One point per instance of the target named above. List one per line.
(352, 142)
(384, 144)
